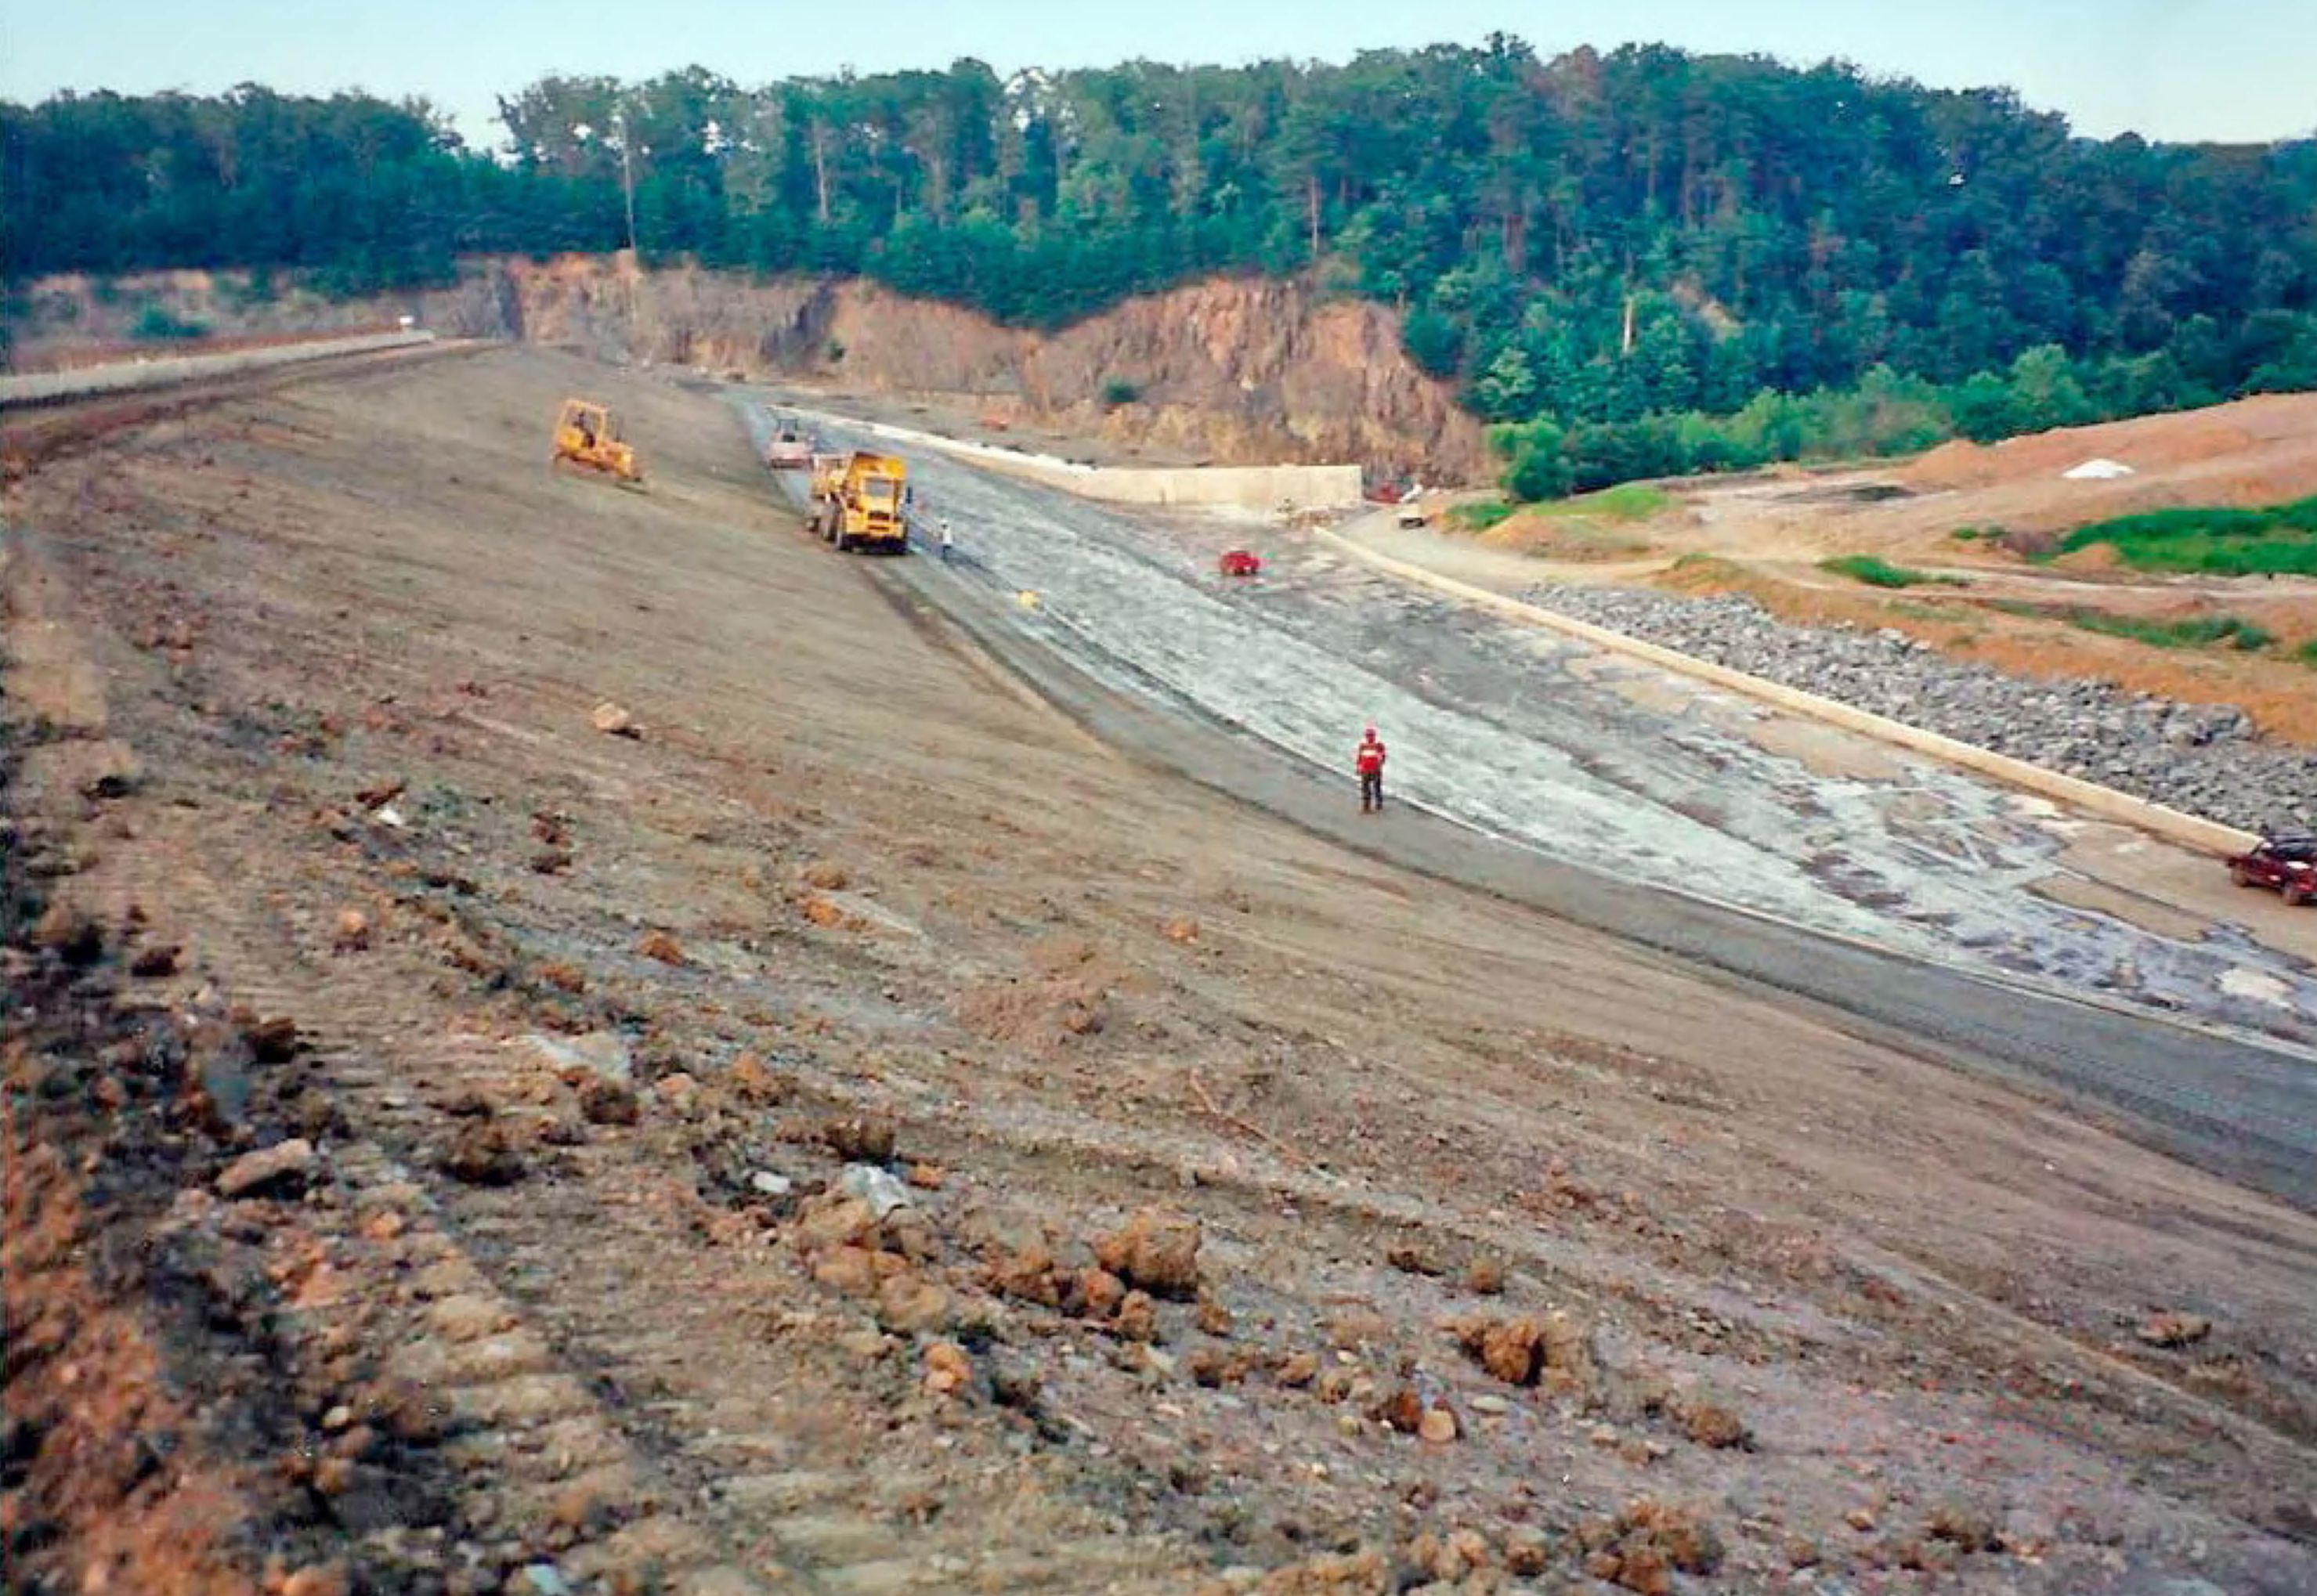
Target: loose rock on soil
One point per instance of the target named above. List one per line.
(2204, 758)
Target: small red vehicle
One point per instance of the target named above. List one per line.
(2286, 863)
(1239, 562)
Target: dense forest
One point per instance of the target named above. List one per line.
(1642, 262)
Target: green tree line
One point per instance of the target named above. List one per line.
(1625, 246)
(1890, 413)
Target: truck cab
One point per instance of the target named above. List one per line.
(2284, 862)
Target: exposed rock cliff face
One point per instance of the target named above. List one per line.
(1240, 370)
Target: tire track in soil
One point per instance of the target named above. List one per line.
(573, 1374)
(604, 1349)
(524, 1420)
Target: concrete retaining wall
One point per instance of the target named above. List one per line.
(2092, 798)
(1245, 488)
(45, 388)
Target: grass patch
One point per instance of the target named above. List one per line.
(2278, 542)
(1479, 515)
(2307, 654)
(2201, 631)
(1986, 534)
(1913, 609)
(1699, 572)
(1875, 571)
(156, 324)
(1580, 547)
(1630, 501)
(2198, 631)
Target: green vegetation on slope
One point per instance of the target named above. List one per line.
(1478, 515)
(2198, 631)
(1635, 501)
(1681, 263)
(156, 324)
(2278, 542)
(1877, 572)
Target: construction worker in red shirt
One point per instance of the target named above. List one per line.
(1368, 762)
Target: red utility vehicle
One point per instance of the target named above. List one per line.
(2286, 863)
(1239, 562)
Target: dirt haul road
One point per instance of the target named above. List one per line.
(1485, 1248)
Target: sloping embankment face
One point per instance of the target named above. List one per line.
(894, 915)
(1239, 371)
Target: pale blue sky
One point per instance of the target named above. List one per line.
(2228, 69)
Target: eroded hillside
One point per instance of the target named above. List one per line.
(1237, 370)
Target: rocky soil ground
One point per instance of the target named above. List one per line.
(568, 1040)
(2201, 759)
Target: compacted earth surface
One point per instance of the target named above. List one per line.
(562, 1039)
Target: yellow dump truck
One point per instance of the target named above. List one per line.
(864, 503)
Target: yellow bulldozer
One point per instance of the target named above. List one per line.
(863, 502)
(585, 434)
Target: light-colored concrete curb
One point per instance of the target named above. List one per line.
(37, 387)
(2089, 796)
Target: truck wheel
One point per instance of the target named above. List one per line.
(2240, 875)
(2294, 896)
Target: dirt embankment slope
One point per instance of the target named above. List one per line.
(1741, 1293)
(1962, 513)
(1238, 370)
(2261, 451)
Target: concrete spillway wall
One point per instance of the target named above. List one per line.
(43, 387)
(1241, 487)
